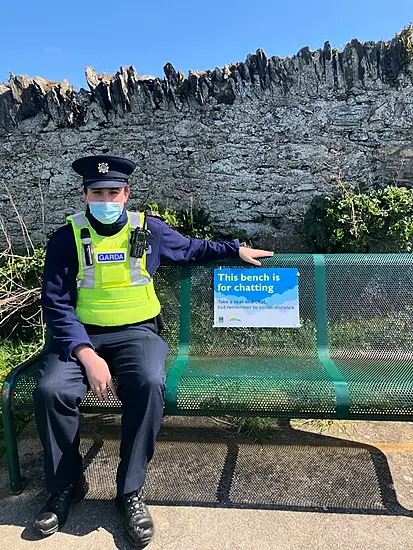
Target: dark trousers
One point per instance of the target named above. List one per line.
(135, 354)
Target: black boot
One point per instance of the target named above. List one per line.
(54, 512)
(136, 518)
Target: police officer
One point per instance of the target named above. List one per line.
(101, 308)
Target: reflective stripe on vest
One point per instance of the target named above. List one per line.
(86, 274)
(86, 277)
(116, 289)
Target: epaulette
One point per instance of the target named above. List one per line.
(56, 231)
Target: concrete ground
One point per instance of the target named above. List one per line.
(350, 487)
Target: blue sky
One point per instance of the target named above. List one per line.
(58, 41)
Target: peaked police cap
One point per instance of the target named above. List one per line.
(104, 171)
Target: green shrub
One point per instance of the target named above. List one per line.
(194, 223)
(360, 222)
(20, 285)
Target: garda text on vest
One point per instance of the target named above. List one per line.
(104, 257)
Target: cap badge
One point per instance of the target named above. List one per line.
(103, 167)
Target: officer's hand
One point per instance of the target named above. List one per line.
(248, 254)
(97, 372)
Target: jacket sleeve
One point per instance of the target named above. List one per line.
(176, 247)
(59, 296)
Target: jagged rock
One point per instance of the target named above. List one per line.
(328, 71)
(252, 141)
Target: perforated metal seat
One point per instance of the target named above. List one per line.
(352, 357)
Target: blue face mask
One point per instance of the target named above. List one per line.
(105, 212)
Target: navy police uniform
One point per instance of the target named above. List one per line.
(134, 353)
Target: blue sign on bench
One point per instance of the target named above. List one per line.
(256, 297)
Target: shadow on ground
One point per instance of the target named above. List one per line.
(204, 465)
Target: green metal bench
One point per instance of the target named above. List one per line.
(352, 357)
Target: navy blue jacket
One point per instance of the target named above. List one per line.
(61, 267)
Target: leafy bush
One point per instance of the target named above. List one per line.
(191, 222)
(361, 222)
(20, 285)
(194, 223)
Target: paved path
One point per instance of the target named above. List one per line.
(210, 490)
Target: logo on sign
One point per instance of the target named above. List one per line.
(108, 257)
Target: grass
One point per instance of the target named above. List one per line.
(255, 428)
(259, 429)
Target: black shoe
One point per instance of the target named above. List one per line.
(136, 518)
(54, 512)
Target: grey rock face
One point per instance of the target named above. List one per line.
(251, 142)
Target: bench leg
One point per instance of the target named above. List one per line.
(10, 439)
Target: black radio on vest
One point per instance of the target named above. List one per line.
(139, 240)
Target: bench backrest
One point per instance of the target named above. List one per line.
(351, 305)
(351, 357)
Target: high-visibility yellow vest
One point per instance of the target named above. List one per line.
(116, 289)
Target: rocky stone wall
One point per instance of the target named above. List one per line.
(252, 142)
